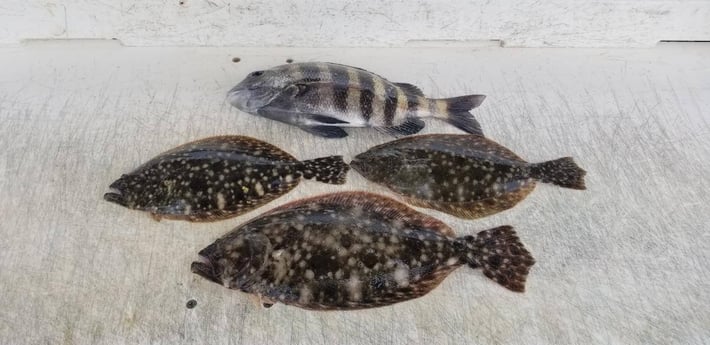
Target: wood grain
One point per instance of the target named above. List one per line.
(352, 23)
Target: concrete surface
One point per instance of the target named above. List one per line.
(625, 262)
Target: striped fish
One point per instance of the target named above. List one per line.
(320, 98)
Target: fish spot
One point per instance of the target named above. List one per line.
(309, 274)
(346, 240)
(370, 259)
(401, 275)
(259, 189)
(305, 295)
(221, 202)
(354, 287)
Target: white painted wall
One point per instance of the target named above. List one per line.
(351, 23)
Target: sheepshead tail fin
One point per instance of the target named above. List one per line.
(458, 112)
(563, 172)
(502, 256)
(330, 169)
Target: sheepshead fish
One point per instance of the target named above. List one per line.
(217, 178)
(354, 250)
(467, 176)
(320, 98)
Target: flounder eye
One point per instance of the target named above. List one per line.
(257, 73)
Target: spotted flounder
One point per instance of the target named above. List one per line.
(217, 178)
(354, 250)
(322, 98)
(468, 176)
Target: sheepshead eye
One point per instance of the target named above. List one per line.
(257, 73)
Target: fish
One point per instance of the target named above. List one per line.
(354, 250)
(467, 176)
(217, 178)
(321, 98)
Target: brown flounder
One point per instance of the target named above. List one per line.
(354, 250)
(468, 176)
(217, 178)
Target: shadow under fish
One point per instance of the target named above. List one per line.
(354, 250)
(323, 98)
(217, 178)
(467, 176)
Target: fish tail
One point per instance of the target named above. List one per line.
(330, 169)
(456, 111)
(502, 256)
(563, 172)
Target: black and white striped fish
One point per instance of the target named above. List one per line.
(320, 98)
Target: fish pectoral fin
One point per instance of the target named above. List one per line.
(411, 126)
(410, 89)
(279, 114)
(325, 131)
(325, 119)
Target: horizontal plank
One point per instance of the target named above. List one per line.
(352, 23)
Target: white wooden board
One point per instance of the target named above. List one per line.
(353, 23)
(625, 262)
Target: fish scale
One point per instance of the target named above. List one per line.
(217, 178)
(322, 98)
(354, 250)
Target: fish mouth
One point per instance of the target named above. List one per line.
(116, 198)
(235, 90)
(116, 195)
(205, 268)
(236, 97)
(358, 165)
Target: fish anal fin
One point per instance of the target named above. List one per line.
(409, 127)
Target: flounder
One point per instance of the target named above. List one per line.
(468, 176)
(217, 178)
(354, 250)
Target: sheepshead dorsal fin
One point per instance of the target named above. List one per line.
(410, 89)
